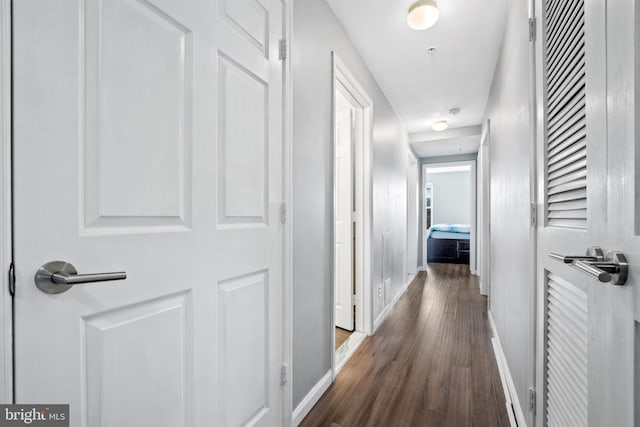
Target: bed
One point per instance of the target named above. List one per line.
(448, 243)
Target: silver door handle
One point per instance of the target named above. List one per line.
(597, 266)
(56, 277)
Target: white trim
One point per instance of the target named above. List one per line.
(342, 77)
(347, 349)
(6, 369)
(483, 257)
(508, 386)
(472, 216)
(287, 291)
(383, 315)
(311, 398)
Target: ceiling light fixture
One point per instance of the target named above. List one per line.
(439, 125)
(423, 14)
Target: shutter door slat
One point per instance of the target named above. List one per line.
(571, 108)
(567, 149)
(558, 166)
(570, 88)
(568, 195)
(565, 114)
(573, 166)
(574, 176)
(566, 354)
(573, 22)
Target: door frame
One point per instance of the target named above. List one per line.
(473, 215)
(413, 162)
(343, 79)
(484, 211)
(6, 247)
(287, 273)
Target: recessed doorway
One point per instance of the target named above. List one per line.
(351, 218)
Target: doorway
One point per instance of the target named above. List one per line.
(351, 317)
(449, 213)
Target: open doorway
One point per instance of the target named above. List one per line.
(449, 213)
(351, 317)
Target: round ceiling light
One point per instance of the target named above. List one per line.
(423, 14)
(439, 125)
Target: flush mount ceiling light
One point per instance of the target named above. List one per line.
(439, 125)
(423, 14)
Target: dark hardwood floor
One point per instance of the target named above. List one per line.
(430, 363)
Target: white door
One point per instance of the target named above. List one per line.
(586, 325)
(148, 139)
(343, 222)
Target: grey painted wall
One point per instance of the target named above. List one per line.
(511, 255)
(451, 197)
(317, 33)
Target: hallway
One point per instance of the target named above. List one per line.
(430, 363)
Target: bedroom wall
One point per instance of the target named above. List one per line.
(317, 32)
(451, 197)
(508, 108)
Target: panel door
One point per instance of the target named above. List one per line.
(585, 324)
(148, 139)
(343, 221)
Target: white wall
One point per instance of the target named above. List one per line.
(451, 197)
(317, 33)
(511, 254)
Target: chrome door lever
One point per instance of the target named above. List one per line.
(598, 266)
(56, 277)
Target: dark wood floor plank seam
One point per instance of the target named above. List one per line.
(430, 363)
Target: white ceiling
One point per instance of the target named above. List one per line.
(423, 87)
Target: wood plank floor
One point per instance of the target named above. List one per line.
(341, 336)
(430, 363)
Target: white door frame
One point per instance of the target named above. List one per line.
(484, 210)
(413, 162)
(343, 79)
(287, 290)
(473, 214)
(6, 323)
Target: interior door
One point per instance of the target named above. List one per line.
(343, 222)
(148, 140)
(585, 369)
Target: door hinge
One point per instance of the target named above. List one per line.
(532, 400)
(532, 29)
(354, 301)
(12, 280)
(282, 50)
(283, 374)
(534, 215)
(354, 216)
(283, 213)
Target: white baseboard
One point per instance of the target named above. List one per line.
(387, 309)
(311, 399)
(514, 410)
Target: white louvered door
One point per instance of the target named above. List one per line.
(585, 328)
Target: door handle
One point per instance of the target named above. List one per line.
(56, 277)
(598, 266)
